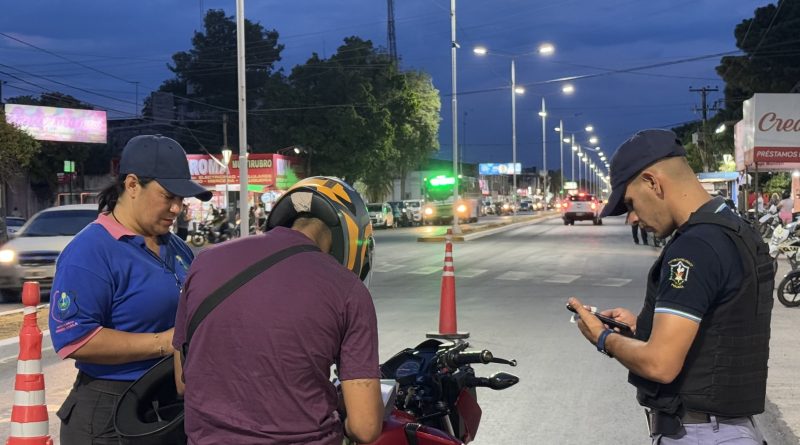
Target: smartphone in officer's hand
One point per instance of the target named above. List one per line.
(623, 328)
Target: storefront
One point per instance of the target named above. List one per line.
(268, 176)
(768, 138)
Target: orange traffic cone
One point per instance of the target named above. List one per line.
(29, 420)
(448, 324)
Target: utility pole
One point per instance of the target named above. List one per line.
(705, 151)
(391, 37)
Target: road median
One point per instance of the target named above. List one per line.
(478, 230)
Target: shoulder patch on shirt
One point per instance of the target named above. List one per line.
(679, 272)
(66, 306)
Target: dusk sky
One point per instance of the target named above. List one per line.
(135, 40)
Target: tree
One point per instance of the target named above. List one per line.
(771, 63)
(17, 149)
(373, 123)
(206, 83)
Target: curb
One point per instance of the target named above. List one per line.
(487, 229)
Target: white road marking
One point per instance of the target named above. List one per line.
(614, 282)
(387, 267)
(469, 273)
(562, 279)
(426, 270)
(514, 275)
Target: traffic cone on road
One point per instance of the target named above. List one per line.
(29, 420)
(448, 324)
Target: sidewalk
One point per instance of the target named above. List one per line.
(783, 384)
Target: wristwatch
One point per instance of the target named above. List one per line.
(601, 342)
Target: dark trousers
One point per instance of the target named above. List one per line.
(183, 233)
(634, 230)
(86, 415)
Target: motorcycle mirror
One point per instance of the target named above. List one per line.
(502, 380)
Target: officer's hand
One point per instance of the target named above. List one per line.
(590, 326)
(623, 315)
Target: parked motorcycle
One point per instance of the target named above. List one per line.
(785, 240)
(768, 222)
(436, 401)
(211, 232)
(789, 289)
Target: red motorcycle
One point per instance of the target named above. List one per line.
(436, 402)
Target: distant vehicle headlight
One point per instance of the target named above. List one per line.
(461, 208)
(7, 256)
(428, 211)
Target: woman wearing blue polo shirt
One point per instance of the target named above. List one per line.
(117, 283)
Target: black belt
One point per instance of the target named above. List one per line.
(670, 424)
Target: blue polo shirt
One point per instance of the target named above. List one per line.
(106, 277)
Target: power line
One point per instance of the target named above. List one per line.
(64, 58)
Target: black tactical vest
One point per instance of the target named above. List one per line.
(725, 371)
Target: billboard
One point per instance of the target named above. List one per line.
(769, 134)
(499, 169)
(59, 124)
(265, 169)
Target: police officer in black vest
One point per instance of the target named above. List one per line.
(698, 355)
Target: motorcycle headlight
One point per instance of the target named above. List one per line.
(7, 256)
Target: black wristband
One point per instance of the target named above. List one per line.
(601, 341)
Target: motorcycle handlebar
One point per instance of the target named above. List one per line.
(455, 359)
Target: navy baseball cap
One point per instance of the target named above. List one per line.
(163, 159)
(642, 150)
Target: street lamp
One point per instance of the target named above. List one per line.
(226, 159)
(544, 49)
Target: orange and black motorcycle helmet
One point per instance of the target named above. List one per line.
(341, 208)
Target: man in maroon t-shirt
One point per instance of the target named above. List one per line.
(258, 367)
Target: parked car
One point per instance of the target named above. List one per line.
(415, 205)
(581, 207)
(31, 255)
(526, 205)
(381, 215)
(13, 224)
(402, 214)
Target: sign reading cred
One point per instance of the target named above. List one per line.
(770, 121)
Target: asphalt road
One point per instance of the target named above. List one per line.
(511, 291)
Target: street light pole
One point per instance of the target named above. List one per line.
(561, 158)
(514, 137)
(244, 214)
(226, 159)
(545, 187)
(572, 160)
(454, 111)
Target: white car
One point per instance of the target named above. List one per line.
(581, 207)
(381, 215)
(31, 255)
(13, 224)
(416, 209)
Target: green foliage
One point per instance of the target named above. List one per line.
(771, 63)
(207, 76)
(374, 122)
(17, 149)
(778, 183)
(360, 116)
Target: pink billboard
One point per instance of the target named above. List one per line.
(59, 124)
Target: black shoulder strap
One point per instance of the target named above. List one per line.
(224, 291)
(713, 218)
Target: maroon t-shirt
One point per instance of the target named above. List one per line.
(258, 367)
